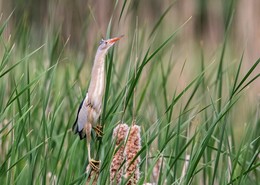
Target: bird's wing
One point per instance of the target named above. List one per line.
(81, 119)
(75, 125)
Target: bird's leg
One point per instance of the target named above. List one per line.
(98, 130)
(93, 163)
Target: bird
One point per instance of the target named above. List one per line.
(89, 111)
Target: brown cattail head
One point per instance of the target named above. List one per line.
(120, 134)
(133, 146)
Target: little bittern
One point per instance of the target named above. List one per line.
(90, 108)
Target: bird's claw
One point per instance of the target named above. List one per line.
(98, 130)
(94, 164)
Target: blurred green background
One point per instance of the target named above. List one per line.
(85, 23)
(47, 50)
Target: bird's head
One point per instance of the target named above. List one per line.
(106, 44)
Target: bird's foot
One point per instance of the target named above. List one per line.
(98, 130)
(94, 164)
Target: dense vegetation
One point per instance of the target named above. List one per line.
(195, 113)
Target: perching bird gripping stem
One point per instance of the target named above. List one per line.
(90, 108)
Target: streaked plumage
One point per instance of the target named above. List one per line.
(90, 108)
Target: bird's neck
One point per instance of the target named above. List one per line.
(97, 82)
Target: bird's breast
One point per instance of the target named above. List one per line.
(92, 107)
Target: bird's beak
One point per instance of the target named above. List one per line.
(113, 40)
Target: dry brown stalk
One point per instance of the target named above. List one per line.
(93, 176)
(156, 169)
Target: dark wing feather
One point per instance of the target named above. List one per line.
(82, 135)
